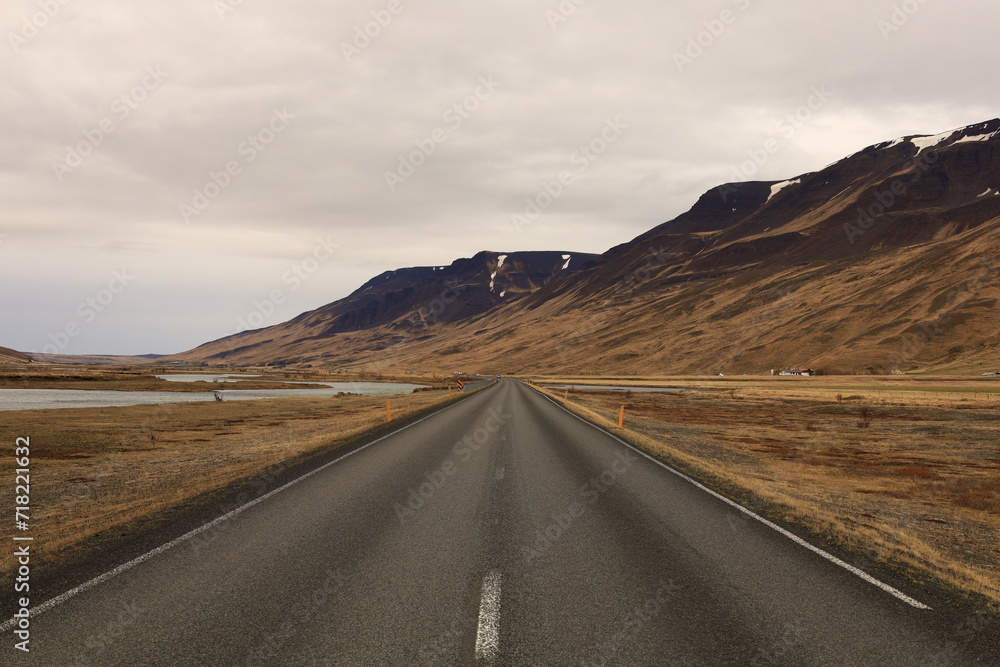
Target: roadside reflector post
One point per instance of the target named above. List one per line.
(621, 417)
(388, 411)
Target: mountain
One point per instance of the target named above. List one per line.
(402, 305)
(887, 259)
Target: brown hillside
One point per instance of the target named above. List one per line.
(8, 356)
(887, 259)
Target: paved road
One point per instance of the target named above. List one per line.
(502, 530)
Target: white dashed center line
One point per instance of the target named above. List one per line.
(488, 635)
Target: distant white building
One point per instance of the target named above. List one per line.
(797, 371)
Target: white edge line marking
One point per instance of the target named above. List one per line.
(488, 633)
(795, 538)
(100, 579)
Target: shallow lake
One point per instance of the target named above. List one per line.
(51, 399)
(202, 377)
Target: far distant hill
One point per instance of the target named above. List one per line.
(8, 356)
(94, 359)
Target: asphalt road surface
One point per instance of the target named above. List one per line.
(502, 530)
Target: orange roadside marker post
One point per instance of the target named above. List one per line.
(388, 411)
(621, 417)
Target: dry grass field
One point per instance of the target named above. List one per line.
(905, 476)
(101, 468)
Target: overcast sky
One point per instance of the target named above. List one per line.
(170, 169)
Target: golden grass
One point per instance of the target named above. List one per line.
(918, 489)
(911, 388)
(102, 468)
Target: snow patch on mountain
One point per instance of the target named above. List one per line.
(778, 187)
(923, 143)
(977, 137)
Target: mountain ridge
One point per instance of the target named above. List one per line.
(756, 274)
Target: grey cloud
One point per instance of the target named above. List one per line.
(325, 173)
